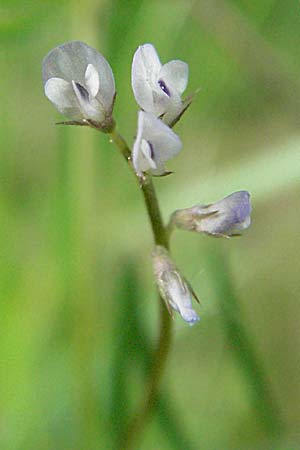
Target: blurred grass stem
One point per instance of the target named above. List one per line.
(264, 404)
(136, 426)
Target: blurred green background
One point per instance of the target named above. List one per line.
(79, 314)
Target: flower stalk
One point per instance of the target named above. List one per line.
(136, 425)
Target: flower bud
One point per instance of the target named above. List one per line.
(225, 218)
(173, 288)
(79, 82)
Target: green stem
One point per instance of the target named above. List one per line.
(137, 424)
(158, 229)
(120, 143)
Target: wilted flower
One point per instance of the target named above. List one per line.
(155, 143)
(158, 88)
(173, 288)
(79, 82)
(227, 217)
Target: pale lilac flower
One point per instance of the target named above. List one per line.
(155, 143)
(158, 88)
(225, 218)
(79, 82)
(173, 288)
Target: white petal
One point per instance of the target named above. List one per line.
(161, 100)
(146, 62)
(165, 142)
(144, 75)
(173, 108)
(180, 298)
(160, 167)
(90, 107)
(179, 292)
(142, 152)
(152, 160)
(92, 80)
(175, 73)
(60, 93)
(137, 159)
(70, 61)
(147, 153)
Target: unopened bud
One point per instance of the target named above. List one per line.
(225, 218)
(173, 288)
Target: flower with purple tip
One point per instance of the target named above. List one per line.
(224, 218)
(158, 88)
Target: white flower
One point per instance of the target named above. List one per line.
(227, 217)
(173, 288)
(79, 82)
(155, 143)
(158, 88)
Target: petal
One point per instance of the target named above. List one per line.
(167, 100)
(142, 152)
(173, 108)
(147, 151)
(70, 61)
(80, 92)
(172, 286)
(175, 73)
(92, 80)
(144, 75)
(137, 159)
(236, 206)
(142, 160)
(232, 214)
(146, 63)
(243, 225)
(180, 298)
(190, 316)
(165, 142)
(161, 100)
(240, 202)
(90, 107)
(61, 94)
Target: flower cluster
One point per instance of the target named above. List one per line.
(80, 83)
(157, 89)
